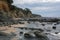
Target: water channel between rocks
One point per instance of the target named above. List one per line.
(50, 33)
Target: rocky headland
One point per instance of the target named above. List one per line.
(12, 17)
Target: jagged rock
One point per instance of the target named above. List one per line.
(41, 35)
(27, 35)
(3, 34)
(14, 11)
(4, 5)
(8, 11)
(6, 34)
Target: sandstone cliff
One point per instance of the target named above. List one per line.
(8, 11)
(13, 11)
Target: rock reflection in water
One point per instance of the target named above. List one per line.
(5, 38)
(32, 38)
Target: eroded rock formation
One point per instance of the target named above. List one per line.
(8, 11)
(4, 6)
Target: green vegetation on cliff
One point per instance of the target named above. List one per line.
(15, 12)
(20, 13)
(8, 12)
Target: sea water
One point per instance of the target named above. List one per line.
(50, 34)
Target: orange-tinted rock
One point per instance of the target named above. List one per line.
(4, 6)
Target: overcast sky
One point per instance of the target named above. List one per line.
(46, 8)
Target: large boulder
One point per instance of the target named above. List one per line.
(27, 35)
(7, 34)
(41, 35)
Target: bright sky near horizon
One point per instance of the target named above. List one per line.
(46, 8)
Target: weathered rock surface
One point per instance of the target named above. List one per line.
(41, 35)
(8, 11)
(13, 11)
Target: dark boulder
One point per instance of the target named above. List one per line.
(26, 35)
(41, 35)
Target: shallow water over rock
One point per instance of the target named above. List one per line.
(52, 34)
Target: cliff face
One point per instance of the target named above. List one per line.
(4, 6)
(12, 11)
(20, 13)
